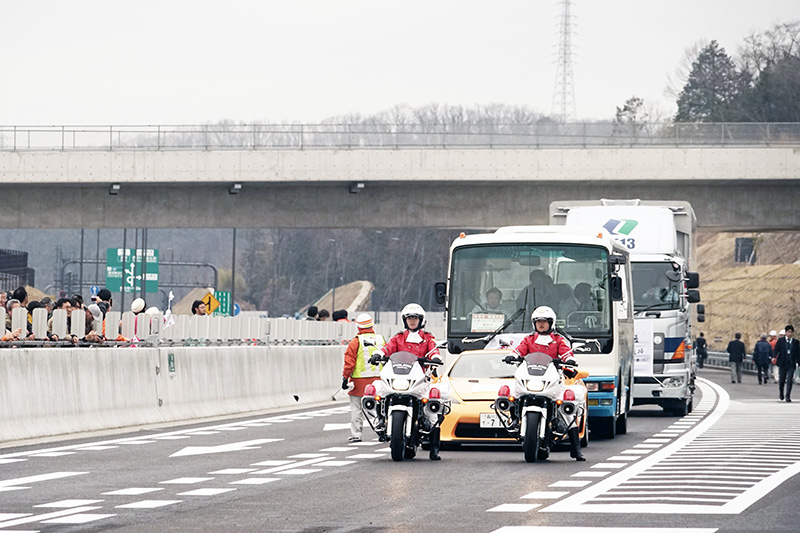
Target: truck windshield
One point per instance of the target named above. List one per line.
(651, 287)
(490, 283)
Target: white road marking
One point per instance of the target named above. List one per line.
(366, 456)
(622, 458)
(232, 471)
(718, 467)
(204, 492)
(544, 495)
(133, 491)
(273, 462)
(609, 465)
(148, 504)
(368, 443)
(51, 454)
(223, 448)
(336, 463)
(96, 448)
(254, 481)
(172, 437)
(337, 449)
(290, 466)
(137, 442)
(193, 433)
(9, 461)
(569, 483)
(11, 516)
(308, 455)
(40, 477)
(590, 473)
(514, 508)
(9, 489)
(300, 471)
(186, 480)
(68, 503)
(82, 518)
(335, 427)
(46, 516)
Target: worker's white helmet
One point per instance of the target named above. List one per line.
(773, 333)
(364, 321)
(413, 310)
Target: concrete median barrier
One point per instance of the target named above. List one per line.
(45, 392)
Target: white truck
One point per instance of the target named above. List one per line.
(660, 238)
(495, 280)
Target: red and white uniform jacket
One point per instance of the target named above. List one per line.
(417, 342)
(553, 345)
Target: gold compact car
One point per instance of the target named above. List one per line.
(475, 377)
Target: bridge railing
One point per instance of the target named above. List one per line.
(230, 136)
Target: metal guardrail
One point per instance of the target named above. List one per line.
(393, 136)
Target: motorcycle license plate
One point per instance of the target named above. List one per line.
(490, 420)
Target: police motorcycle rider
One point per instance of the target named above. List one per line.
(416, 340)
(545, 340)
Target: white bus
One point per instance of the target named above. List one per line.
(532, 266)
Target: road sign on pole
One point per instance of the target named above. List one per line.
(211, 303)
(124, 270)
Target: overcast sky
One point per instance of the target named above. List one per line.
(193, 61)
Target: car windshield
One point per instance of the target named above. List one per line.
(651, 287)
(490, 283)
(478, 365)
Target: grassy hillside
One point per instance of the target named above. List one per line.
(751, 299)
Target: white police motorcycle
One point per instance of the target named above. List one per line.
(546, 406)
(405, 406)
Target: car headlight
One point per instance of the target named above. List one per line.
(535, 385)
(400, 384)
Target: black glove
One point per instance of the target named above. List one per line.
(375, 359)
(510, 359)
(571, 362)
(345, 385)
(437, 361)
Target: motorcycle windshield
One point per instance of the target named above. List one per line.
(537, 363)
(402, 362)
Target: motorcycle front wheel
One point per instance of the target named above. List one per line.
(530, 444)
(397, 440)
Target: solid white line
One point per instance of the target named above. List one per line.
(575, 503)
(46, 516)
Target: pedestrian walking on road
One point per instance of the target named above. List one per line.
(787, 355)
(358, 370)
(762, 355)
(736, 352)
(701, 349)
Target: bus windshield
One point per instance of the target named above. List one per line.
(651, 287)
(490, 283)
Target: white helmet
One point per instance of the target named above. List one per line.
(413, 310)
(773, 333)
(543, 313)
(364, 321)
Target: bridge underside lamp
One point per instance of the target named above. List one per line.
(114, 189)
(235, 188)
(356, 187)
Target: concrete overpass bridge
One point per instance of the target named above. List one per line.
(738, 177)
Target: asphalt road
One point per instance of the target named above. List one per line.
(729, 466)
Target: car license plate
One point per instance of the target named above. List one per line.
(490, 420)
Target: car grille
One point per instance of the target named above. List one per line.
(475, 431)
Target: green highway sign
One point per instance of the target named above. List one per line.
(224, 298)
(124, 270)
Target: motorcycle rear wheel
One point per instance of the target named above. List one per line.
(397, 441)
(530, 444)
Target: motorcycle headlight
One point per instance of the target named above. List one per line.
(535, 385)
(401, 384)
